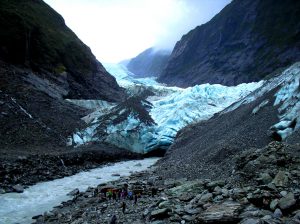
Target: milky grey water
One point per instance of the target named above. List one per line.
(42, 197)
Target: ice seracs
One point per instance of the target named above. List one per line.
(154, 114)
(288, 100)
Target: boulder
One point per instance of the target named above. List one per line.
(213, 184)
(206, 197)
(18, 188)
(165, 204)
(274, 204)
(116, 175)
(186, 196)
(73, 192)
(281, 179)
(227, 212)
(265, 178)
(287, 201)
(160, 213)
(192, 187)
(251, 221)
(188, 218)
(277, 213)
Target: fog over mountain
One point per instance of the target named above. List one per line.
(117, 30)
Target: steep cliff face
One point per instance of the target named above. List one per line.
(150, 62)
(42, 62)
(33, 35)
(245, 42)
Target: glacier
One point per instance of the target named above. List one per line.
(154, 113)
(287, 99)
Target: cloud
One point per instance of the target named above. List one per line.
(187, 15)
(120, 29)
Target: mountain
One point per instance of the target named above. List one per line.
(150, 62)
(245, 42)
(208, 149)
(42, 62)
(34, 36)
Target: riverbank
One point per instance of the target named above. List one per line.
(264, 188)
(42, 197)
(20, 168)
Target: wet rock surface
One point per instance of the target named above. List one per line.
(237, 199)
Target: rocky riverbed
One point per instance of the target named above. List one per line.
(19, 169)
(263, 188)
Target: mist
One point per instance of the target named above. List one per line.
(191, 13)
(121, 29)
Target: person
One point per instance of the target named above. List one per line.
(113, 220)
(130, 196)
(153, 191)
(135, 199)
(119, 194)
(123, 207)
(110, 194)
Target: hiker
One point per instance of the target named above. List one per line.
(103, 193)
(123, 194)
(113, 220)
(135, 199)
(130, 196)
(114, 196)
(123, 207)
(109, 194)
(153, 191)
(119, 194)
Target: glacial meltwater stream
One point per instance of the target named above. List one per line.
(42, 197)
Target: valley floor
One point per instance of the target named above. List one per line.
(23, 167)
(263, 189)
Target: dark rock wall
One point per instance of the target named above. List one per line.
(32, 34)
(246, 41)
(42, 62)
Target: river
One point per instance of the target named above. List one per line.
(42, 197)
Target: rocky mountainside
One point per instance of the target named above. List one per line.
(207, 149)
(150, 62)
(42, 62)
(245, 42)
(34, 36)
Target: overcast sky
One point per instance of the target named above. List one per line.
(121, 29)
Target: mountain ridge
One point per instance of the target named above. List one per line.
(150, 62)
(245, 42)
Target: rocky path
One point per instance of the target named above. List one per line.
(260, 197)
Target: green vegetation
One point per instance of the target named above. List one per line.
(33, 34)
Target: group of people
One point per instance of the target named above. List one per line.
(122, 194)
